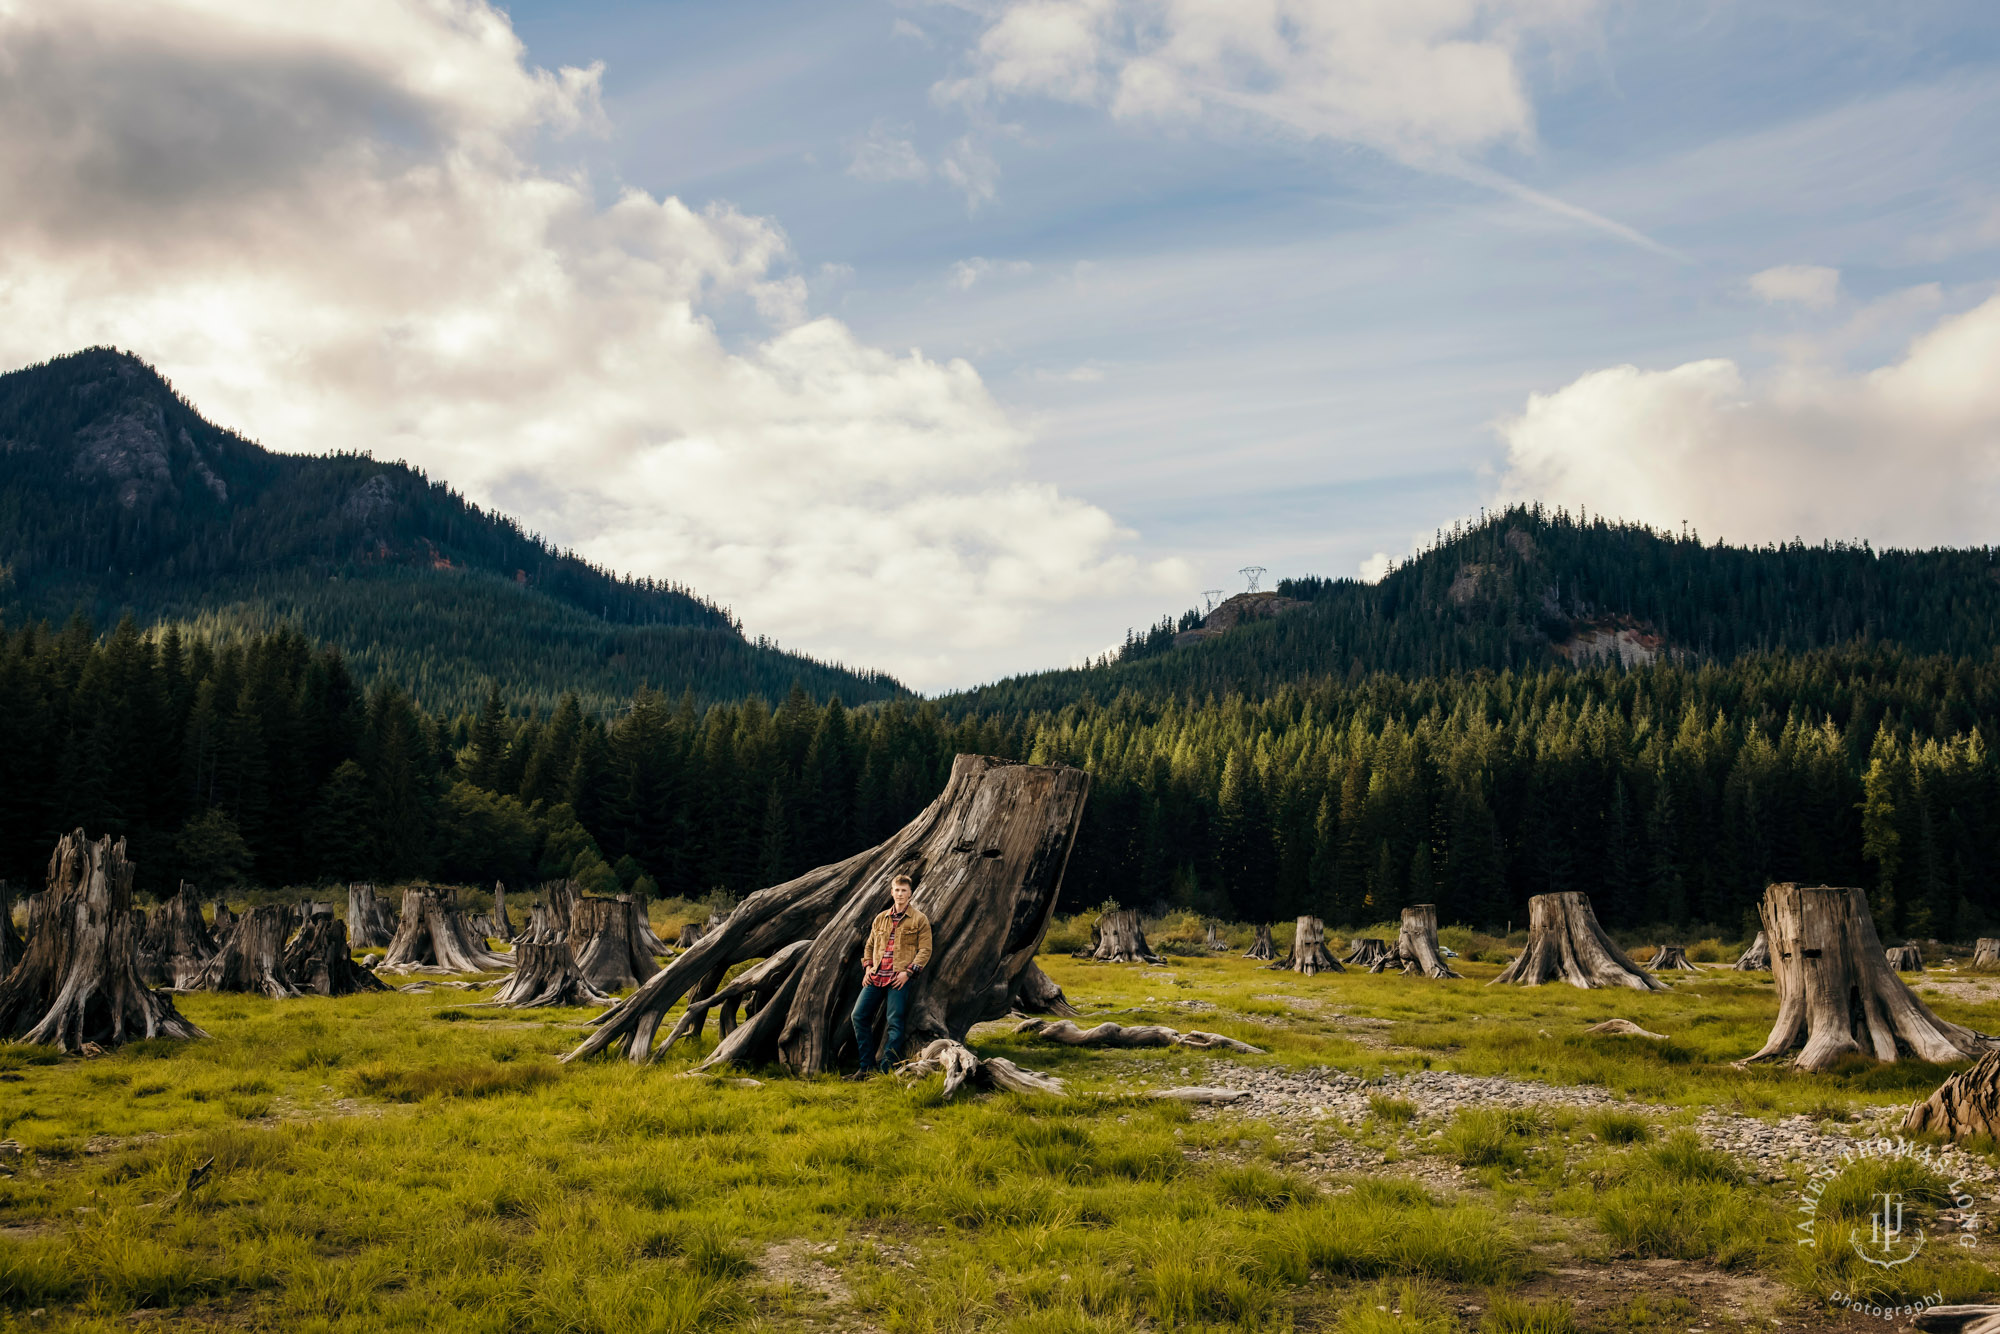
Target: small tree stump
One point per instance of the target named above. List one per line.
(690, 933)
(432, 934)
(1213, 939)
(317, 962)
(78, 979)
(604, 936)
(1836, 991)
(1417, 952)
(1366, 951)
(1263, 949)
(177, 942)
(1565, 941)
(1986, 954)
(1309, 953)
(1964, 1105)
(1757, 958)
(1118, 937)
(1906, 959)
(1671, 959)
(250, 957)
(987, 857)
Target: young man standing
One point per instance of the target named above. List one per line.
(899, 945)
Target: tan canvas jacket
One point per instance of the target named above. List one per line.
(913, 942)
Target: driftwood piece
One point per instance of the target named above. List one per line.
(1263, 948)
(250, 957)
(1906, 959)
(1986, 954)
(1972, 1319)
(1757, 958)
(751, 990)
(431, 933)
(1366, 951)
(1623, 1028)
(1671, 959)
(987, 857)
(1134, 1035)
(318, 963)
(1202, 1095)
(960, 1067)
(545, 974)
(1565, 941)
(1964, 1105)
(1836, 991)
(1417, 950)
(1309, 954)
(604, 936)
(1118, 937)
(176, 942)
(78, 980)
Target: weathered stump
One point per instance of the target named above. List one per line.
(1565, 941)
(1213, 940)
(503, 927)
(1309, 954)
(1986, 954)
(369, 923)
(1263, 949)
(1906, 959)
(604, 936)
(11, 943)
(545, 974)
(690, 933)
(558, 897)
(1966, 1104)
(177, 941)
(1417, 952)
(1757, 958)
(432, 934)
(317, 962)
(1836, 991)
(78, 979)
(251, 956)
(223, 921)
(1671, 959)
(987, 857)
(1366, 951)
(1118, 937)
(750, 990)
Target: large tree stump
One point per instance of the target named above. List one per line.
(503, 927)
(430, 933)
(1309, 954)
(1965, 1105)
(1366, 951)
(11, 943)
(1118, 937)
(1671, 959)
(78, 979)
(1906, 959)
(1836, 991)
(545, 972)
(317, 962)
(1986, 954)
(251, 956)
(1757, 958)
(1417, 951)
(1263, 948)
(1565, 941)
(604, 936)
(177, 941)
(987, 858)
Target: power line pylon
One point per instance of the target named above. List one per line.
(1253, 573)
(1210, 595)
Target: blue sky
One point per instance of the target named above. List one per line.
(1731, 263)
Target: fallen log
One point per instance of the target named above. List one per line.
(1565, 941)
(1836, 991)
(176, 942)
(250, 956)
(1417, 951)
(1965, 1105)
(1118, 937)
(317, 961)
(604, 936)
(959, 1066)
(1671, 959)
(430, 932)
(987, 857)
(1262, 949)
(1136, 1035)
(78, 982)
(1906, 959)
(1757, 958)
(1366, 951)
(1308, 953)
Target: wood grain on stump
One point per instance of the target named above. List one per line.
(1213, 939)
(1309, 954)
(318, 963)
(1966, 1104)
(1366, 951)
(430, 933)
(545, 972)
(604, 936)
(1986, 954)
(1671, 958)
(1262, 949)
(1906, 959)
(1118, 937)
(11, 942)
(1565, 942)
(250, 957)
(987, 857)
(369, 922)
(1416, 951)
(1757, 958)
(176, 942)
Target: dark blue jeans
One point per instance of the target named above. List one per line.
(871, 1000)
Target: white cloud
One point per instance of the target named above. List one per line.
(884, 157)
(973, 170)
(1810, 285)
(322, 224)
(1906, 454)
(969, 271)
(1376, 568)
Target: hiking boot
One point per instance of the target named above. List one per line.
(857, 1076)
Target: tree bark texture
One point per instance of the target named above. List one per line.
(431, 934)
(177, 941)
(1366, 951)
(1129, 1035)
(1262, 949)
(1757, 958)
(1671, 959)
(1966, 1104)
(251, 956)
(11, 943)
(222, 923)
(1309, 954)
(960, 1067)
(503, 927)
(78, 979)
(987, 857)
(318, 962)
(559, 898)
(1565, 942)
(1836, 992)
(369, 922)
(545, 974)
(1986, 954)
(1416, 951)
(1118, 937)
(1906, 959)
(604, 936)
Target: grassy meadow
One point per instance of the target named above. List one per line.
(405, 1161)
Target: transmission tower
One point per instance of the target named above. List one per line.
(1253, 573)
(1211, 594)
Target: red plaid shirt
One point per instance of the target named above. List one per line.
(883, 973)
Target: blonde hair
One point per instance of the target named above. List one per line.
(902, 880)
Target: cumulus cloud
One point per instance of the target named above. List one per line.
(884, 157)
(327, 226)
(1810, 285)
(1905, 454)
(1376, 568)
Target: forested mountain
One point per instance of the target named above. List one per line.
(116, 495)
(1528, 589)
